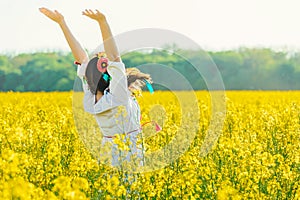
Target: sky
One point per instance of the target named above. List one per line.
(212, 24)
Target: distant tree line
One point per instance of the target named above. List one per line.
(241, 69)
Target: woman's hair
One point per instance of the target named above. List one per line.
(136, 80)
(95, 78)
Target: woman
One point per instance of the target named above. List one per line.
(108, 88)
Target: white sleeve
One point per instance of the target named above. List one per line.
(89, 97)
(81, 69)
(118, 84)
(81, 74)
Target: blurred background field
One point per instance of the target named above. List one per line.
(256, 157)
(241, 69)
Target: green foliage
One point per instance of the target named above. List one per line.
(242, 69)
(37, 72)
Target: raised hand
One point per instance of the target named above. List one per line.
(78, 52)
(97, 15)
(110, 46)
(54, 15)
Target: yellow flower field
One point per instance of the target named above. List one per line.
(257, 156)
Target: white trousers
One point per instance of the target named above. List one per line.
(128, 155)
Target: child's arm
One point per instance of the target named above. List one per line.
(110, 46)
(78, 52)
(118, 85)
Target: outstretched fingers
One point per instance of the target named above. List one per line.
(88, 12)
(96, 15)
(98, 12)
(56, 12)
(45, 11)
(54, 15)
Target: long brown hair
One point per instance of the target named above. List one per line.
(95, 78)
(136, 79)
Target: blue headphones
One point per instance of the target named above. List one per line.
(106, 77)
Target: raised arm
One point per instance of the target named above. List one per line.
(110, 45)
(78, 52)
